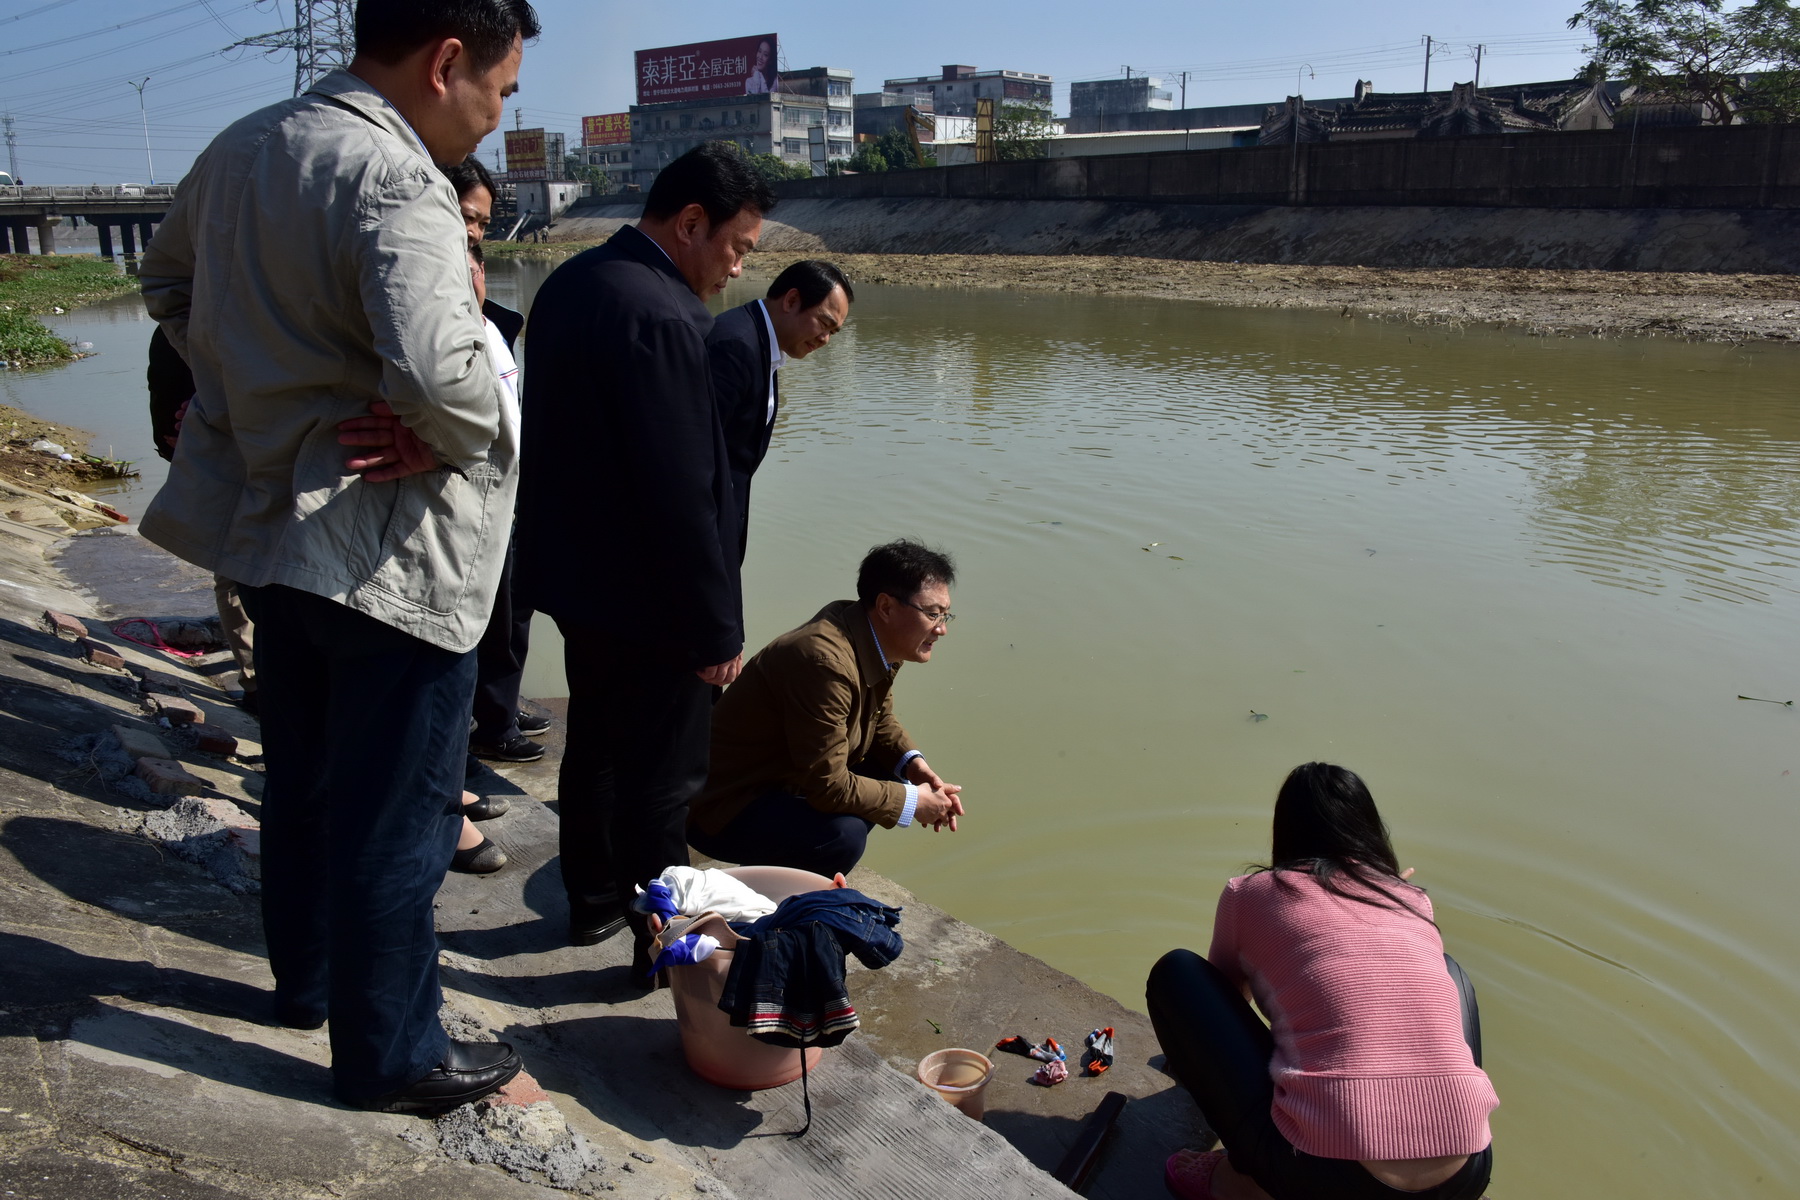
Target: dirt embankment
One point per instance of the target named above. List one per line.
(1566, 303)
(41, 488)
(1728, 308)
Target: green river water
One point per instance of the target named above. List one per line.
(1518, 583)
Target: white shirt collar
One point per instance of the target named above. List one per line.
(777, 359)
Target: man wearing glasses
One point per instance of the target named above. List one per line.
(807, 755)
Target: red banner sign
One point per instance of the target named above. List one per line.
(743, 66)
(525, 154)
(611, 129)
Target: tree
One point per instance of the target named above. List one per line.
(774, 169)
(892, 151)
(1741, 64)
(1022, 131)
(598, 181)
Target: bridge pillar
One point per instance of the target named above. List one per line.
(105, 231)
(127, 237)
(46, 228)
(6, 239)
(146, 227)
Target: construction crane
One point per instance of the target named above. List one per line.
(916, 124)
(323, 38)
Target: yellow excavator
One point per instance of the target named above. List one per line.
(917, 123)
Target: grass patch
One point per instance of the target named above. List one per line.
(31, 285)
(538, 250)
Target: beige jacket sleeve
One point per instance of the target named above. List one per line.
(816, 709)
(420, 302)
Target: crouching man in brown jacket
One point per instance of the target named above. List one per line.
(807, 755)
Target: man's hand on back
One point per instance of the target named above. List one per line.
(397, 451)
(723, 675)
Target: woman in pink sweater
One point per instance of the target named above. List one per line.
(1367, 1081)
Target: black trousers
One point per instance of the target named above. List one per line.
(500, 663)
(637, 750)
(779, 829)
(1220, 1050)
(364, 729)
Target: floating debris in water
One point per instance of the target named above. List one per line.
(1760, 700)
(1256, 716)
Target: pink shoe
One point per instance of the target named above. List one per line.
(1188, 1173)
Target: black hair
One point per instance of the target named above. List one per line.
(714, 175)
(1327, 826)
(389, 30)
(468, 175)
(901, 569)
(814, 277)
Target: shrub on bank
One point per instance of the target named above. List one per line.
(34, 284)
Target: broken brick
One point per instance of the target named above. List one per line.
(157, 681)
(522, 1090)
(140, 743)
(213, 740)
(179, 710)
(166, 777)
(63, 625)
(100, 655)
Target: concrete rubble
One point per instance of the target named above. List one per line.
(137, 1057)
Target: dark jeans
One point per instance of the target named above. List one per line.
(636, 754)
(500, 664)
(779, 829)
(364, 729)
(1220, 1050)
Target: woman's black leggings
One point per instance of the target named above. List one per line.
(1220, 1050)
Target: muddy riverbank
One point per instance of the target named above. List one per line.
(1693, 306)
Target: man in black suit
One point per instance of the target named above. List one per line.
(628, 532)
(806, 305)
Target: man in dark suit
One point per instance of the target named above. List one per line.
(806, 305)
(627, 532)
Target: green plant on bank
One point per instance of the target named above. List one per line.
(774, 169)
(1022, 131)
(892, 151)
(1740, 64)
(38, 284)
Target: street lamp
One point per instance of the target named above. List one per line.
(1299, 106)
(145, 117)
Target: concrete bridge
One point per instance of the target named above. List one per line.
(134, 209)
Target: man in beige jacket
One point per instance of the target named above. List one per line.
(807, 755)
(312, 271)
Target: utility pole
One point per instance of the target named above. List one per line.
(1479, 48)
(518, 118)
(145, 117)
(12, 147)
(323, 38)
(1184, 79)
(1427, 40)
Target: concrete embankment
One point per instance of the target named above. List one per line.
(135, 1052)
(1749, 241)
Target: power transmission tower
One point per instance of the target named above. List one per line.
(323, 38)
(12, 146)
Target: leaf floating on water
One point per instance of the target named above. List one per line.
(1760, 700)
(1177, 558)
(1256, 716)
(1370, 552)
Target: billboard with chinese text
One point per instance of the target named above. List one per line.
(525, 158)
(743, 66)
(611, 129)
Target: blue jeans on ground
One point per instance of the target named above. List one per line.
(779, 829)
(1219, 1049)
(364, 729)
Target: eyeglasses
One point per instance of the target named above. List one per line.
(937, 618)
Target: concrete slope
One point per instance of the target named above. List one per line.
(136, 1057)
(1761, 241)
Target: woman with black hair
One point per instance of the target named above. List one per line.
(1367, 1081)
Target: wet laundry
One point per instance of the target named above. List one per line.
(690, 891)
(1099, 1056)
(686, 949)
(1048, 1052)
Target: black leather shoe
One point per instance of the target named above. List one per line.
(484, 858)
(517, 750)
(589, 925)
(470, 1070)
(487, 808)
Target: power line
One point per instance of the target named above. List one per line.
(32, 12)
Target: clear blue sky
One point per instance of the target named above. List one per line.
(64, 64)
